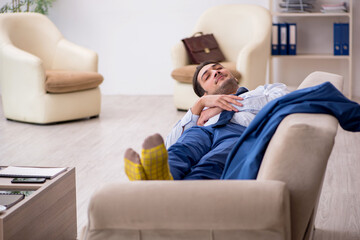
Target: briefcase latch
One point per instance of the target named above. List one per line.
(206, 50)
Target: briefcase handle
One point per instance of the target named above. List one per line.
(197, 33)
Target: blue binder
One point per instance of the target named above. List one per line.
(283, 38)
(275, 39)
(292, 38)
(345, 38)
(337, 39)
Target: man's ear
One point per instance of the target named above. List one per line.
(237, 80)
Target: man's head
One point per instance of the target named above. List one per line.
(212, 78)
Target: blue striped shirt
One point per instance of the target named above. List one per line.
(253, 102)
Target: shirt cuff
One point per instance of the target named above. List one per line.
(189, 118)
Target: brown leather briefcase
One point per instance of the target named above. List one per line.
(203, 47)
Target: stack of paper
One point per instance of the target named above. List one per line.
(334, 7)
(296, 5)
(31, 172)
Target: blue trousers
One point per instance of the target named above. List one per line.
(201, 152)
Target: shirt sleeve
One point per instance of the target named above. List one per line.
(189, 120)
(253, 101)
(275, 90)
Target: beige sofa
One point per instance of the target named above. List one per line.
(280, 204)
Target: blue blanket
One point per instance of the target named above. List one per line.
(244, 160)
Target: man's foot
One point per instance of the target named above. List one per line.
(133, 168)
(154, 158)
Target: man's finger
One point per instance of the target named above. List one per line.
(227, 106)
(235, 100)
(237, 103)
(235, 97)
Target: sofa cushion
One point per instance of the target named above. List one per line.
(185, 74)
(60, 81)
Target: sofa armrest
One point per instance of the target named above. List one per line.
(70, 56)
(319, 77)
(191, 205)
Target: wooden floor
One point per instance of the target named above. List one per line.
(95, 148)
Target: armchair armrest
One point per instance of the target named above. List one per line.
(70, 56)
(252, 63)
(179, 56)
(21, 73)
(192, 205)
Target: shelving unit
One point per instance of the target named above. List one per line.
(316, 16)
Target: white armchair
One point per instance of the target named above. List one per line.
(31, 47)
(243, 34)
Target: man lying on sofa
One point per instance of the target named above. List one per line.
(200, 142)
(202, 151)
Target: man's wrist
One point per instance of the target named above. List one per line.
(198, 106)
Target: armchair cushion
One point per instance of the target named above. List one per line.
(60, 81)
(185, 74)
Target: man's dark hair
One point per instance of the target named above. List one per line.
(196, 85)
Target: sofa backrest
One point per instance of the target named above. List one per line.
(298, 154)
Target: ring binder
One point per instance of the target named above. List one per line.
(292, 38)
(283, 39)
(345, 39)
(337, 39)
(275, 39)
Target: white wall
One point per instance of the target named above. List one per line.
(132, 37)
